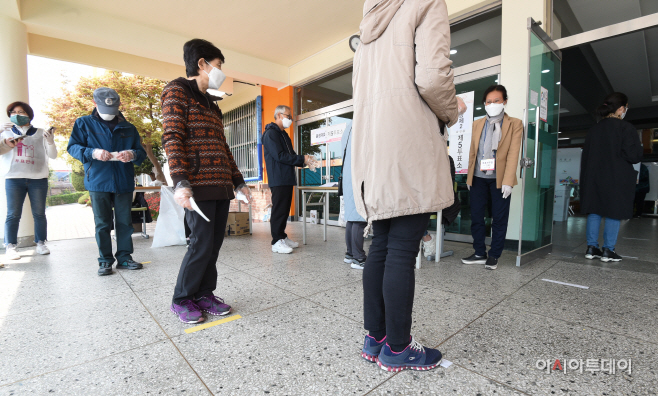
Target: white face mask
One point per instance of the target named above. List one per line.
(624, 114)
(216, 77)
(494, 109)
(286, 123)
(107, 117)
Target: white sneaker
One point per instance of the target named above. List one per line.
(429, 247)
(281, 247)
(292, 244)
(42, 248)
(12, 252)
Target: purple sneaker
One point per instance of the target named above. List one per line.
(213, 305)
(187, 312)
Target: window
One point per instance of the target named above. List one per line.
(242, 128)
(327, 91)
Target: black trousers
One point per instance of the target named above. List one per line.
(481, 191)
(281, 200)
(354, 239)
(639, 203)
(389, 278)
(198, 272)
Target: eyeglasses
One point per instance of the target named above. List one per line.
(288, 116)
(17, 112)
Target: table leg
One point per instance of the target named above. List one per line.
(439, 236)
(304, 217)
(251, 222)
(326, 214)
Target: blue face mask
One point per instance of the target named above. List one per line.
(20, 120)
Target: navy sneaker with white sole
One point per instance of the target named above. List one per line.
(371, 348)
(414, 357)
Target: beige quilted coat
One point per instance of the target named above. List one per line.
(403, 85)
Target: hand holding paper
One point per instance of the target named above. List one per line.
(183, 193)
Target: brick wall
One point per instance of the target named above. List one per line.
(262, 200)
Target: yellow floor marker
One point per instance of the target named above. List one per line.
(211, 324)
(146, 262)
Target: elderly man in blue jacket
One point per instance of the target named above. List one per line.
(109, 146)
(280, 161)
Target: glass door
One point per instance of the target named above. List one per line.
(329, 153)
(540, 146)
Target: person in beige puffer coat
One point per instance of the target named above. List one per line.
(404, 96)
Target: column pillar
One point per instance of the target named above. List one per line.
(514, 76)
(13, 83)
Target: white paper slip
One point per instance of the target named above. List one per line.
(196, 209)
(330, 184)
(114, 156)
(566, 284)
(446, 363)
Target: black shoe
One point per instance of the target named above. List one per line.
(130, 264)
(105, 269)
(492, 263)
(610, 255)
(475, 259)
(593, 252)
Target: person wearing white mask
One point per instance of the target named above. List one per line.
(203, 172)
(493, 158)
(109, 146)
(25, 152)
(280, 162)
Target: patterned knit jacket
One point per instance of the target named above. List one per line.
(195, 144)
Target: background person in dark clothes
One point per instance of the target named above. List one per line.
(607, 177)
(642, 188)
(281, 160)
(110, 183)
(201, 165)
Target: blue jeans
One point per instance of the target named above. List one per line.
(16, 190)
(610, 231)
(101, 204)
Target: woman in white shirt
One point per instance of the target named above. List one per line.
(25, 151)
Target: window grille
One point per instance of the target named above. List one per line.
(242, 128)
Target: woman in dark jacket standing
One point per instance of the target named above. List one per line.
(607, 176)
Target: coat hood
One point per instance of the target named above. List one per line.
(377, 14)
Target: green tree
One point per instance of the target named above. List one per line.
(140, 105)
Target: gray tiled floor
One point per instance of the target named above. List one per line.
(64, 330)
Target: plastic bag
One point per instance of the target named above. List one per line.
(169, 229)
(341, 214)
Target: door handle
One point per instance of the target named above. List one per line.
(536, 141)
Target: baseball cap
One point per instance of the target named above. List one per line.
(107, 100)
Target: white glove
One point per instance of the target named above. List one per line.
(49, 134)
(469, 187)
(101, 155)
(7, 125)
(126, 156)
(244, 189)
(507, 191)
(183, 193)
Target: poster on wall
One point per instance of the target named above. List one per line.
(460, 135)
(543, 108)
(328, 134)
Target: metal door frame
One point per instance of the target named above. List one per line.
(533, 27)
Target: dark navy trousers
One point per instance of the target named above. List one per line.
(482, 191)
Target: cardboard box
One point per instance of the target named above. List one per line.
(237, 224)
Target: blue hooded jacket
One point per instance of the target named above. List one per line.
(89, 133)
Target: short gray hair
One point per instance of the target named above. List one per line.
(280, 109)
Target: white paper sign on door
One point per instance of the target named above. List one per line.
(328, 134)
(543, 108)
(460, 135)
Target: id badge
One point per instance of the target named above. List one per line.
(488, 164)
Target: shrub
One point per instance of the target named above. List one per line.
(153, 201)
(78, 181)
(64, 199)
(84, 199)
